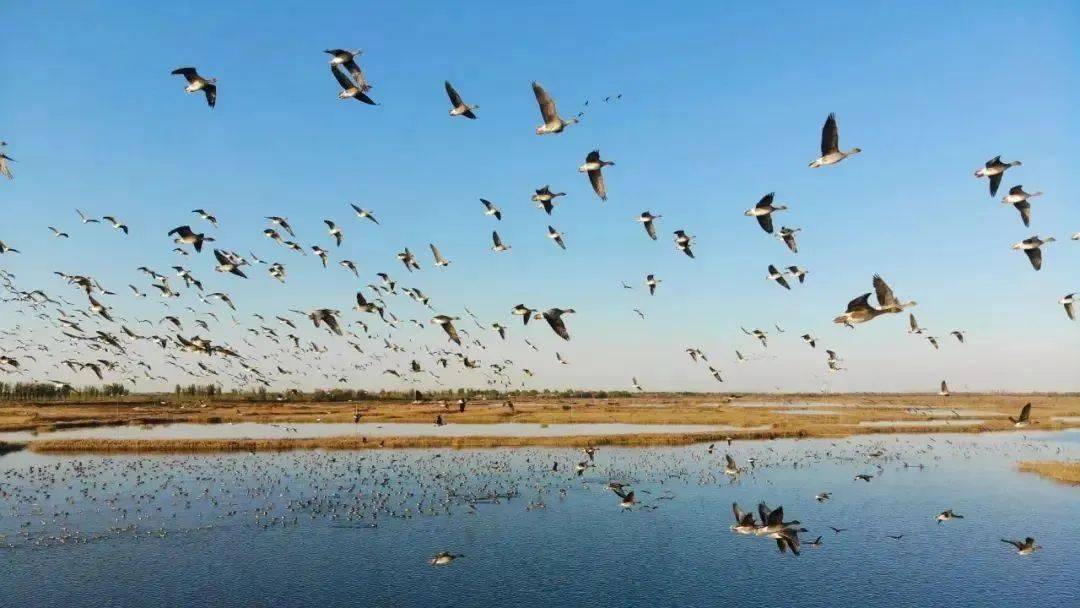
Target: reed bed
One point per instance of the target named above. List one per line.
(105, 446)
(1067, 472)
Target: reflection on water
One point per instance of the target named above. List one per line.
(316, 528)
(253, 430)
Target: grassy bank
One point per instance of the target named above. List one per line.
(1058, 470)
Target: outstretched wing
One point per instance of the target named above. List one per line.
(596, 178)
(455, 99)
(1035, 255)
(830, 136)
(546, 103)
(342, 79)
(885, 295)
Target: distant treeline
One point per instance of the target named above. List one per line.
(36, 391)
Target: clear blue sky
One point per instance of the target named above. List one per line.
(720, 106)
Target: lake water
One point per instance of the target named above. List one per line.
(357, 528)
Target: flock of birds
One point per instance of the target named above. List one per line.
(96, 338)
(81, 500)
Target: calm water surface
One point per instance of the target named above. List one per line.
(356, 528)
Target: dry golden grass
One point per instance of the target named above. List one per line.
(1058, 470)
(845, 413)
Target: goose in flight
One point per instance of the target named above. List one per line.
(86, 219)
(58, 233)
(98, 308)
(627, 497)
(651, 281)
(277, 271)
(197, 83)
(759, 334)
(648, 221)
(859, 310)
(763, 211)
(334, 230)
(683, 242)
(347, 59)
(830, 145)
(553, 316)
(458, 106)
(206, 215)
(556, 236)
(227, 263)
(350, 266)
(636, 384)
(553, 123)
(1022, 201)
(325, 316)
(594, 167)
(715, 374)
(409, 260)
(185, 236)
(545, 198)
(994, 169)
(1025, 547)
(440, 261)
(947, 515)
(447, 323)
(282, 223)
(798, 273)
(944, 392)
(115, 223)
(809, 339)
(363, 213)
(1032, 247)
(4, 169)
(4, 248)
(744, 522)
(524, 312)
(362, 305)
(348, 89)
(776, 275)
(497, 244)
(914, 325)
(322, 253)
(787, 235)
(730, 468)
(959, 335)
(491, 209)
(1068, 301)
(1025, 417)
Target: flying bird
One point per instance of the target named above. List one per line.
(648, 220)
(197, 83)
(553, 123)
(594, 167)
(1032, 247)
(348, 89)
(994, 169)
(830, 145)
(458, 106)
(763, 211)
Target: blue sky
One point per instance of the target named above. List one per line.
(720, 106)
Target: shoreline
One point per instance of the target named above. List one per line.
(1061, 471)
(343, 443)
(748, 416)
